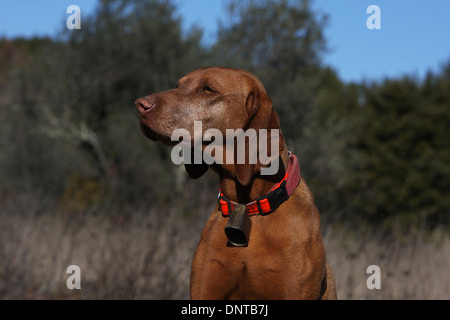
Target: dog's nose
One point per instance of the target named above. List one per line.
(144, 104)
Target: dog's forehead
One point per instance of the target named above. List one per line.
(226, 78)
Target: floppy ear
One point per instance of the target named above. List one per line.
(194, 170)
(264, 117)
(244, 172)
(253, 101)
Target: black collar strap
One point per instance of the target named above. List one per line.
(276, 196)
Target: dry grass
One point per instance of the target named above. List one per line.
(146, 254)
(412, 267)
(140, 255)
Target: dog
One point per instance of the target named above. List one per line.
(272, 246)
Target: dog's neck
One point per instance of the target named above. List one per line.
(258, 187)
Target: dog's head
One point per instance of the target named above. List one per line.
(221, 99)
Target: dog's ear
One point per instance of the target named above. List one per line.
(244, 171)
(253, 101)
(264, 117)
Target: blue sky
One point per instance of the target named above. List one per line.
(414, 35)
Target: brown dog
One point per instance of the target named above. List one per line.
(285, 257)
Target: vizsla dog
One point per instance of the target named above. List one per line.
(272, 247)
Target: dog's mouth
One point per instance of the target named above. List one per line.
(156, 135)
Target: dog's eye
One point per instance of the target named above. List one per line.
(208, 90)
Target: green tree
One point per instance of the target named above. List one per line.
(324, 144)
(401, 152)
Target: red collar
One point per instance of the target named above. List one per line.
(273, 199)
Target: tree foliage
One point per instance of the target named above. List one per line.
(401, 151)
